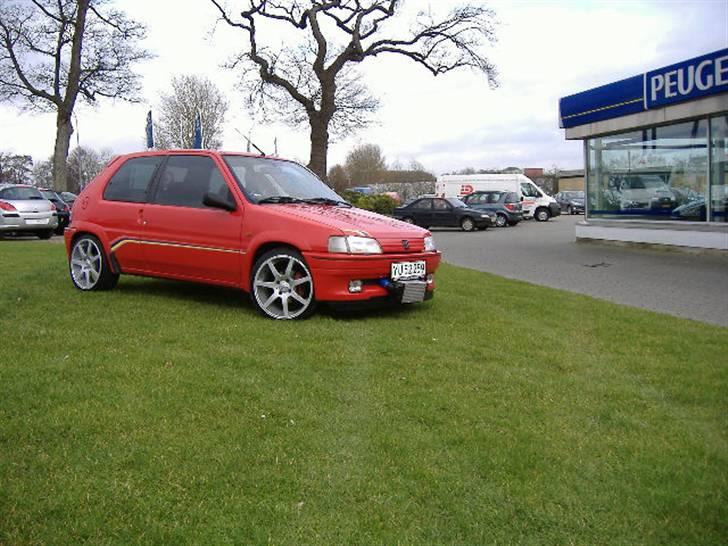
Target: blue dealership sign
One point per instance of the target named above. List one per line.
(687, 80)
(684, 81)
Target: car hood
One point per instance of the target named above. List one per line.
(352, 221)
(30, 205)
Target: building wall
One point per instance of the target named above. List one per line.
(575, 183)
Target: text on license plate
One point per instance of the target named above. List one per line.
(39, 221)
(408, 270)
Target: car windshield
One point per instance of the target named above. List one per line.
(278, 181)
(574, 194)
(20, 193)
(455, 202)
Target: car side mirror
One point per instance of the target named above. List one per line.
(214, 201)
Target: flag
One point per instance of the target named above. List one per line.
(198, 133)
(150, 131)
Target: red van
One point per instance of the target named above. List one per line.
(265, 225)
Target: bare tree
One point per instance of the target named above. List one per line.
(84, 164)
(190, 95)
(338, 178)
(365, 165)
(53, 51)
(314, 83)
(15, 169)
(43, 173)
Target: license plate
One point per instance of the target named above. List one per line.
(408, 270)
(36, 221)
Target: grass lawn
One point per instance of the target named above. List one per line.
(498, 413)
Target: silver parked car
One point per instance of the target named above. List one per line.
(24, 209)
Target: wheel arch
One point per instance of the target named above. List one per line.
(257, 251)
(105, 244)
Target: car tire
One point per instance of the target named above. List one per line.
(501, 220)
(89, 266)
(467, 224)
(542, 214)
(281, 285)
(45, 234)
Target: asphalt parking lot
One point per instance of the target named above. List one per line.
(686, 284)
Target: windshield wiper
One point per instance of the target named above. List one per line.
(280, 199)
(326, 201)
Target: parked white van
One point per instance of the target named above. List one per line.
(536, 204)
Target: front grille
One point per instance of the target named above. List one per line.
(396, 246)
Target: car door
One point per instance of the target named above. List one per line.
(442, 213)
(122, 210)
(186, 239)
(421, 211)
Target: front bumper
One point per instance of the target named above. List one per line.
(332, 274)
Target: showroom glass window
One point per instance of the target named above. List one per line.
(719, 172)
(656, 173)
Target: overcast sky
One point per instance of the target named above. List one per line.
(546, 50)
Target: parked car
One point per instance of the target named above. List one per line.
(267, 226)
(571, 202)
(645, 192)
(695, 211)
(24, 210)
(69, 197)
(63, 210)
(448, 212)
(506, 205)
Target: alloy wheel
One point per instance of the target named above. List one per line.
(86, 264)
(283, 287)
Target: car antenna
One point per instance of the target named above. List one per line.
(251, 143)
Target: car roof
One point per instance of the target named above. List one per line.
(183, 151)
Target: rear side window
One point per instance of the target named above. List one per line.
(186, 179)
(131, 181)
(512, 197)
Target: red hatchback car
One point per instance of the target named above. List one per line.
(265, 225)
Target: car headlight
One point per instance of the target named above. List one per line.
(430, 244)
(485, 215)
(352, 244)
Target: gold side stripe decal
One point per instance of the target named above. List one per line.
(118, 245)
(604, 108)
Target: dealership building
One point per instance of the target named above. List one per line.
(655, 148)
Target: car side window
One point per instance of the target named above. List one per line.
(422, 204)
(131, 181)
(440, 204)
(186, 179)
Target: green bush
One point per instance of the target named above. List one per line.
(383, 204)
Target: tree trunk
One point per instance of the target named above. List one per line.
(319, 146)
(64, 130)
